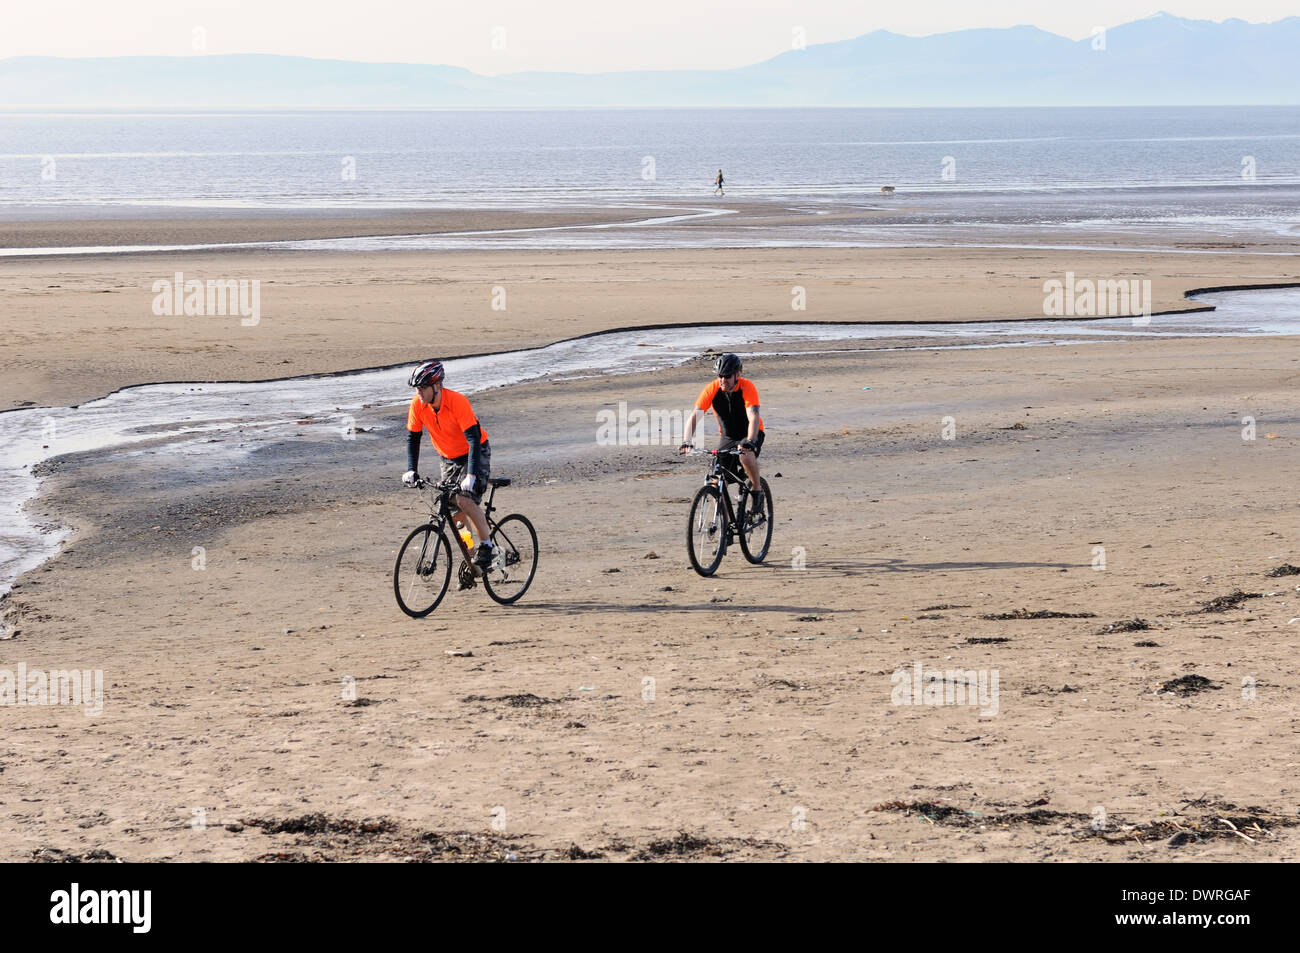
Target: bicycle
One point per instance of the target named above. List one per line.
(714, 521)
(422, 573)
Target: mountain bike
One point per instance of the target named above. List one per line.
(422, 574)
(715, 521)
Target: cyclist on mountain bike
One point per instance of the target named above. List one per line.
(461, 443)
(734, 402)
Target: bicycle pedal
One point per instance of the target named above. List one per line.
(465, 578)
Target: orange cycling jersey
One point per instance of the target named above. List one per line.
(729, 408)
(446, 425)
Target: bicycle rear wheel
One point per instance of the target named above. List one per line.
(515, 563)
(756, 525)
(422, 572)
(706, 531)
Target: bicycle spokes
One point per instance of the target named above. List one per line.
(422, 572)
(706, 531)
(756, 520)
(514, 561)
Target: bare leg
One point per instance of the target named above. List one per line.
(468, 508)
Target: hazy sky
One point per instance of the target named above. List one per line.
(574, 35)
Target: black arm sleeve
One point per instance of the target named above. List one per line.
(473, 438)
(413, 450)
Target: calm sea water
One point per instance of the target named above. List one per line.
(578, 157)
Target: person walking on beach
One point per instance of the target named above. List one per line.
(734, 402)
(462, 445)
(717, 184)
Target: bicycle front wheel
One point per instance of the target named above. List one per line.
(756, 525)
(515, 562)
(422, 572)
(706, 531)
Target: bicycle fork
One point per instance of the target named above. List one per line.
(724, 511)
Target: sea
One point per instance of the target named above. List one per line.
(961, 174)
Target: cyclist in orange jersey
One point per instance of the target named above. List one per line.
(462, 445)
(734, 402)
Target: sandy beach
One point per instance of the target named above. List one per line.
(627, 707)
(166, 226)
(323, 312)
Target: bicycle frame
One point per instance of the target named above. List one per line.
(720, 477)
(444, 512)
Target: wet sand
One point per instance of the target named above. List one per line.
(626, 701)
(74, 328)
(167, 226)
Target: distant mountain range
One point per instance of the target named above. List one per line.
(1160, 60)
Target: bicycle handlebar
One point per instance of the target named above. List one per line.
(446, 486)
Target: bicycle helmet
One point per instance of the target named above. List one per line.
(427, 372)
(728, 364)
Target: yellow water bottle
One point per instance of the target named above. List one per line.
(466, 538)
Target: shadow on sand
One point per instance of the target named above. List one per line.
(849, 567)
(749, 607)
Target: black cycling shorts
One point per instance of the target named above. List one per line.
(732, 464)
(456, 469)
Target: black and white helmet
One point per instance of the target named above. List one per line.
(728, 364)
(427, 372)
